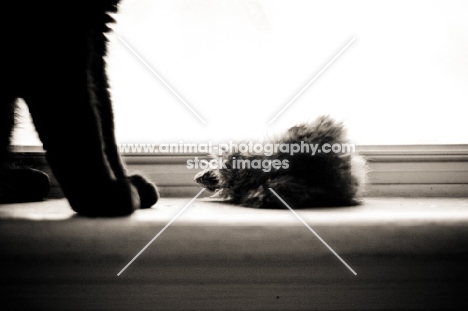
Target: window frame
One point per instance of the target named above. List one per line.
(394, 170)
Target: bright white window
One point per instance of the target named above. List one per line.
(404, 80)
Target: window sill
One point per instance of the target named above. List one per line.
(396, 170)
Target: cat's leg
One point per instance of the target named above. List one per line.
(7, 121)
(147, 191)
(69, 127)
(17, 183)
(99, 83)
(6, 126)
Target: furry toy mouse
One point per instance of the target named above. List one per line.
(325, 171)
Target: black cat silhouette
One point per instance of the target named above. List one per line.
(53, 58)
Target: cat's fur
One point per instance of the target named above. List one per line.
(323, 179)
(53, 57)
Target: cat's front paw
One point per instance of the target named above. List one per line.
(147, 191)
(23, 185)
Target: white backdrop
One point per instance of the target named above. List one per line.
(404, 80)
